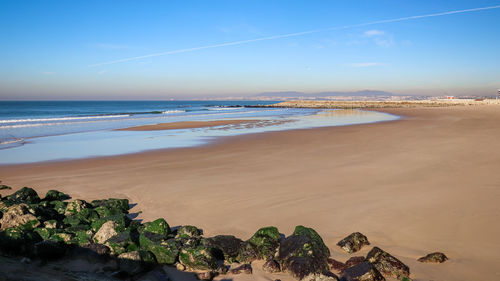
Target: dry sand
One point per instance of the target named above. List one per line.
(188, 125)
(428, 182)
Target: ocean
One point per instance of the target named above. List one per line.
(34, 131)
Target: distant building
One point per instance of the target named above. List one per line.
(498, 94)
(450, 97)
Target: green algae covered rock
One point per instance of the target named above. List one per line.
(354, 242)
(15, 240)
(113, 205)
(228, 245)
(266, 240)
(19, 215)
(165, 251)
(436, 257)
(159, 226)
(199, 258)
(121, 220)
(121, 243)
(62, 237)
(187, 231)
(76, 206)
(303, 253)
(24, 195)
(4, 187)
(364, 271)
(45, 233)
(54, 195)
(387, 264)
(59, 206)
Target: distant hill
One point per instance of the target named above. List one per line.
(293, 94)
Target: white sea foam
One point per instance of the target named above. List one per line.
(6, 121)
(173, 111)
(11, 141)
(224, 108)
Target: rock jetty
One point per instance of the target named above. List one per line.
(55, 229)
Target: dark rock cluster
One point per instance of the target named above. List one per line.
(55, 227)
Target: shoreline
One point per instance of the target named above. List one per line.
(424, 182)
(188, 125)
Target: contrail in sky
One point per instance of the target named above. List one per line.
(293, 35)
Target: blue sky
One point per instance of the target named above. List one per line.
(48, 48)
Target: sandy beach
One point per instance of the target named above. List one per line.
(427, 182)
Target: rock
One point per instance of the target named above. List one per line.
(76, 206)
(44, 232)
(4, 187)
(51, 224)
(136, 262)
(121, 243)
(199, 258)
(244, 268)
(18, 241)
(364, 271)
(111, 207)
(48, 250)
(271, 266)
(247, 253)
(121, 220)
(266, 241)
(353, 243)
(209, 275)
(107, 230)
(54, 195)
(180, 266)
(354, 261)
(328, 276)
(19, 215)
(61, 237)
(436, 257)
(99, 249)
(336, 265)
(187, 231)
(159, 226)
(227, 244)
(387, 265)
(24, 195)
(165, 251)
(303, 253)
(59, 206)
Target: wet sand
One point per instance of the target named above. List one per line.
(427, 182)
(188, 125)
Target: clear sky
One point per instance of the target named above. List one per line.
(61, 49)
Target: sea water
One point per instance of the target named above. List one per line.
(34, 131)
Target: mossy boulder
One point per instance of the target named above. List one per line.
(121, 243)
(354, 242)
(106, 231)
(45, 233)
(62, 237)
(115, 206)
(199, 258)
(19, 215)
(364, 271)
(436, 257)
(4, 187)
(59, 206)
(303, 253)
(266, 240)
(25, 195)
(16, 241)
(387, 264)
(187, 231)
(76, 206)
(121, 220)
(54, 195)
(228, 246)
(165, 251)
(159, 226)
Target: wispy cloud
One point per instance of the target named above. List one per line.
(364, 64)
(295, 34)
(374, 32)
(109, 46)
